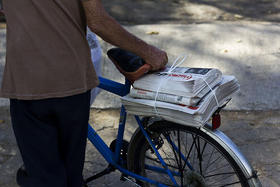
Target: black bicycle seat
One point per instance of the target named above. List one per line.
(129, 64)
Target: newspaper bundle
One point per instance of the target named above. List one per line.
(182, 81)
(187, 115)
(170, 98)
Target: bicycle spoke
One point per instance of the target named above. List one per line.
(192, 159)
(207, 166)
(204, 147)
(160, 170)
(223, 178)
(229, 184)
(228, 173)
(213, 162)
(180, 159)
(199, 155)
(177, 153)
(172, 147)
(188, 155)
(157, 161)
(168, 157)
(194, 152)
(217, 168)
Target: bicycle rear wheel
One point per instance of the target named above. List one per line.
(194, 158)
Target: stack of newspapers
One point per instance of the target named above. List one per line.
(186, 95)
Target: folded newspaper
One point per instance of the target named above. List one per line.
(190, 82)
(170, 98)
(187, 115)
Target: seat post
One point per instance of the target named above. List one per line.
(127, 86)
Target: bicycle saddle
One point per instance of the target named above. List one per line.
(129, 64)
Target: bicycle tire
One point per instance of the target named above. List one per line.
(139, 153)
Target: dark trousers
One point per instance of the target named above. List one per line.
(51, 135)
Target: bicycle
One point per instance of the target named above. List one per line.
(162, 153)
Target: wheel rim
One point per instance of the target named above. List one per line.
(206, 166)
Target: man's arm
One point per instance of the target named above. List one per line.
(101, 23)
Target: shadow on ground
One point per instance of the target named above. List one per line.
(192, 11)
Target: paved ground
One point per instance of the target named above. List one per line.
(192, 11)
(248, 50)
(256, 134)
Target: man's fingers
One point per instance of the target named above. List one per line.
(156, 58)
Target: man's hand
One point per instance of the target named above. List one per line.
(112, 32)
(156, 58)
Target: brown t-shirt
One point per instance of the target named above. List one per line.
(47, 52)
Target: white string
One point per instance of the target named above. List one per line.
(212, 91)
(172, 68)
(175, 64)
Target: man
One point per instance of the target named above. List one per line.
(48, 77)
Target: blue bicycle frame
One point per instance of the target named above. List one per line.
(114, 157)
